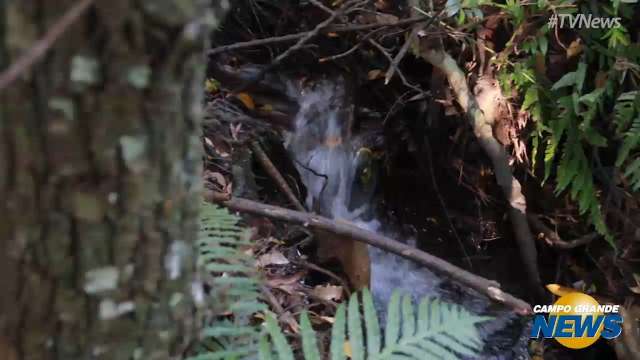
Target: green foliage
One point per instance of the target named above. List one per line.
(441, 330)
(234, 287)
(627, 122)
(573, 116)
(437, 330)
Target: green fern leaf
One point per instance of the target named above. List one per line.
(408, 319)
(279, 341)
(443, 331)
(338, 336)
(393, 320)
(264, 352)
(371, 323)
(355, 329)
(309, 345)
(234, 286)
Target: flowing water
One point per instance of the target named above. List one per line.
(329, 163)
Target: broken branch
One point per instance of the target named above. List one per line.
(489, 288)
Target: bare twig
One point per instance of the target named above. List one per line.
(489, 288)
(407, 44)
(353, 48)
(395, 63)
(299, 44)
(322, 6)
(552, 237)
(328, 29)
(26, 61)
(268, 166)
(388, 56)
(285, 316)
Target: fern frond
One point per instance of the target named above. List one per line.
(338, 337)
(234, 287)
(439, 330)
(627, 120)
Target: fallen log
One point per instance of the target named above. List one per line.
(489, 288)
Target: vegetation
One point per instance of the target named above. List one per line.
(444, 331)
(580, 120)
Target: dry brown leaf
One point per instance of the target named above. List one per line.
(328, 292)
(285, 280)
(375, 74)
(574, 49)
(247, 100)
(273, 257)
(560, 290)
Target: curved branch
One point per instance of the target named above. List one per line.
(510, 185)
(487, 287)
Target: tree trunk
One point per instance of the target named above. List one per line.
(99, 180)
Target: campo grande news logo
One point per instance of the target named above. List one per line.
(576, 320)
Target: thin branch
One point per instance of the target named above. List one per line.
(388, 56)
(483, 131)
(552, 238)
(298, 45)
(296, 36)
(407, 44)
(271, 169)
(489, 288)
(353, 48)
(395, 63)
(35, 53)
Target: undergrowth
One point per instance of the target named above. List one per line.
(437, 329)
(588, 115)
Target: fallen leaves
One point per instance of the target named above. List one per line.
(328, 292)
(375, 74)
(273, 257)
(246, 100)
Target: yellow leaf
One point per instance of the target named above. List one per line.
(247, 100)
(374, 74)
(212, 85)
(574, 49)
(560, 290)
(347, 348)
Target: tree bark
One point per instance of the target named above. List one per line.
(100, 180)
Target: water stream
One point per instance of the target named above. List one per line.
(329, 163)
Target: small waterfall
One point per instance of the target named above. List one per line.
(326, 157)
